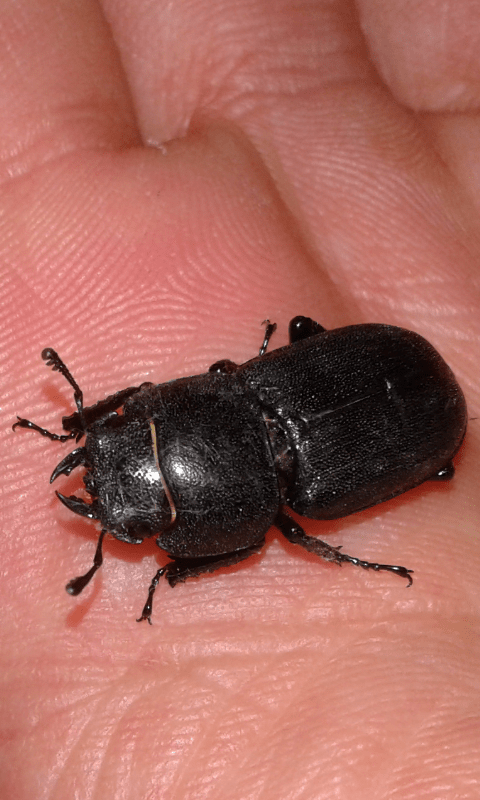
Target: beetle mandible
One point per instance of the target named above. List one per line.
(333, 423)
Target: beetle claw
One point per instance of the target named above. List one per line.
(74, 459)
(77, 505)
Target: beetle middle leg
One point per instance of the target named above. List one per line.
(228, 367)
(182, 568)
(295, 534)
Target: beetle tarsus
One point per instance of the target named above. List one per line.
(295, 534)
(77, 585)
(270, 329)
(402, 572)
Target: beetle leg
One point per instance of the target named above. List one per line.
(270, 329)
(55, 437)
(226, 366)
(295, 534)
(182, 568)
(303, 327)
(77, 585)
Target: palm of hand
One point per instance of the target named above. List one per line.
(170, 179)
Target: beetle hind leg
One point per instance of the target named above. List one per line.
(295, 534)
(182, 568)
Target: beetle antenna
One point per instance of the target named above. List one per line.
(55, 362)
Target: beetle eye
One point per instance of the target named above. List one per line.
(89, 483)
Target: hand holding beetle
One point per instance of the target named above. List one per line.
(170, 178)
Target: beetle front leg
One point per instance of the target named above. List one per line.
(227, 367)
(182, 568)
(295, 534)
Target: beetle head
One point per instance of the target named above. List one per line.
(122, 477)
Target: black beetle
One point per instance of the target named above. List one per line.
(333, 423)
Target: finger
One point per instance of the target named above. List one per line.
(231, 57)
(61, 83)
(353, 165)
(428, 55)
(426, 52)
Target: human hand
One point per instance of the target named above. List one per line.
(173, 173)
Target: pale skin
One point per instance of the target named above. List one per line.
(173, 173)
